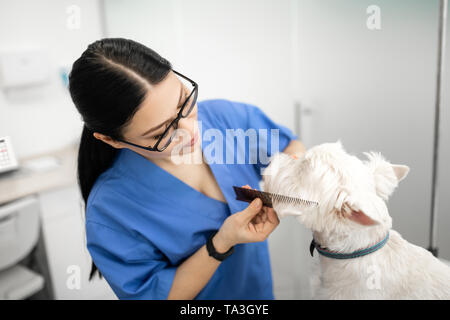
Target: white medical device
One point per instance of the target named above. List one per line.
(8, 160)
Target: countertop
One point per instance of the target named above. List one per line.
(26, 180)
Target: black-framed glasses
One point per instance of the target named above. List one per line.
(166, 137)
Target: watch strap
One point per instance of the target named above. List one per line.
(212, 251)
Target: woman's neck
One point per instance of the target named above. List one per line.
(194, 158)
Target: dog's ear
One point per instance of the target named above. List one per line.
(386, 175)
(401, 171)
(365, 209)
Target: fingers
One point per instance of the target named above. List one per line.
(256, 220)
(252, 210)
(252, 227)
(256, 224)
(260, 214)
(264, 214)
(272, 216)
(261, 217)
(263, 220)
(267, 228)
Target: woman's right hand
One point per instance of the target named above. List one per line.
(253, 224)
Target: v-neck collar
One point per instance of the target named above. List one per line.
(159, 179)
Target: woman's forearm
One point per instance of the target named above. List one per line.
(195, 272)
(294, 146)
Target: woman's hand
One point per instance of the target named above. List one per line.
(254, 224)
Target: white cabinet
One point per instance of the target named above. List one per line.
(65, 243)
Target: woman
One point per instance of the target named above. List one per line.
(149, 216)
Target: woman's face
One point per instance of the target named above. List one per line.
(161, 105)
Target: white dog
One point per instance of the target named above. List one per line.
(352, 217)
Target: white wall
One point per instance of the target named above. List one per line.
(238, 50)
(44, 118)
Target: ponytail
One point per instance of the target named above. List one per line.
(94, 157)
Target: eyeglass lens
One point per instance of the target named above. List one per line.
(167, 138)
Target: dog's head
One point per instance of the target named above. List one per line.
(351, 193)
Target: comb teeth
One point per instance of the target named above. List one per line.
(292, 200)
(267, 198)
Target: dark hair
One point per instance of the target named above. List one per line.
(107, 85)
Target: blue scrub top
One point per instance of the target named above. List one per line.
(142, 222)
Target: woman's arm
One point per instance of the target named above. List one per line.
(294, 146)
(194, 273)
(253, 224)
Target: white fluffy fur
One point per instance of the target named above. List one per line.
(353, 215)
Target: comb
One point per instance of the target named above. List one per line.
(248, 195)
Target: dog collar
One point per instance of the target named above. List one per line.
(355, 254)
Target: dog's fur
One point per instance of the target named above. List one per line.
(352, 215)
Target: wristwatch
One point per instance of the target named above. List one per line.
(212, 251)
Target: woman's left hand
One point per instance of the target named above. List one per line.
(265, 216)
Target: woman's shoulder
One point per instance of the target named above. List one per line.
(229, 112)
(106, 196)
(100, 184)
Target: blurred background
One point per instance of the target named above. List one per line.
(356, 70)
